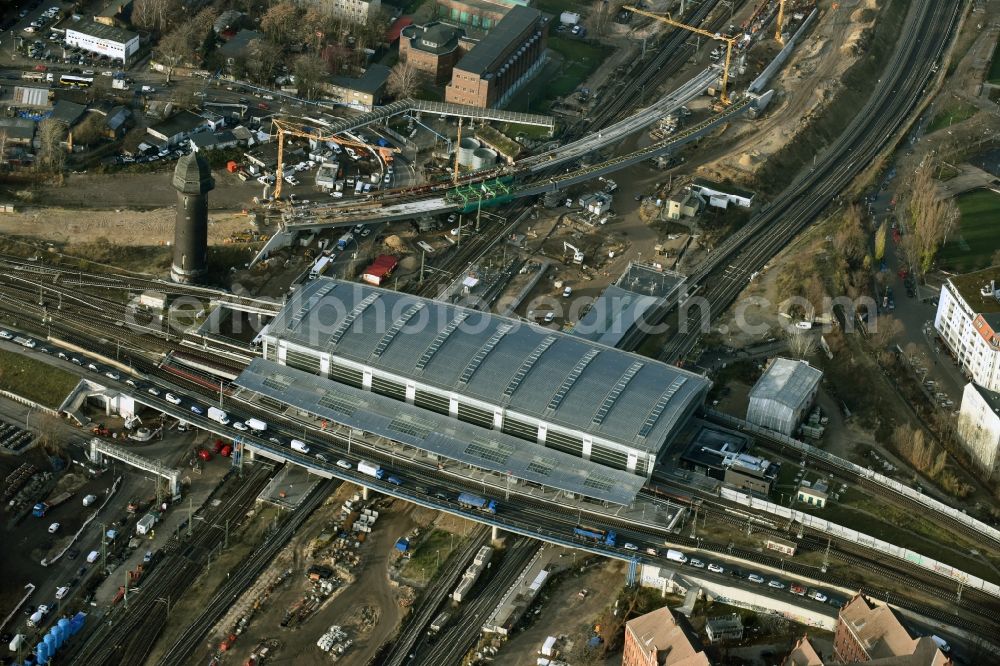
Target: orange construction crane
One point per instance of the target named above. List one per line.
(730, 42)
(285, 128)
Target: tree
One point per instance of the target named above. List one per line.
(51, 156)
(153, 14)
(263, 58)
(880, 237)
(404, 80)
(850, 239)
(801, 344)
(90, 131)
(176, 47)
(281, 22)
(310, 74)
(316, 25)
(884, 330)
(927, 218)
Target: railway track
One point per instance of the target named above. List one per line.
(243, 577)
(927, 29)
(126, 634)
(455, 642)
(403, 643)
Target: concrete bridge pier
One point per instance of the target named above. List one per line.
(364, 492)
(496, 536)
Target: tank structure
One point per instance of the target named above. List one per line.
(193, 181)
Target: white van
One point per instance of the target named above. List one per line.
(300, 446)
(92, 557)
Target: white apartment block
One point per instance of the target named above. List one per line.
(356, 11)
(979, 425)
(968, 322)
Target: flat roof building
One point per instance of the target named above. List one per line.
(480, 14)
(363, 92)
(498, 65)
(724, 628)
(433, 48)
(813, 494)
(979, 426)
(502, 376)
(968, 322)
(628, 310)
(782, 396)
(114, 42)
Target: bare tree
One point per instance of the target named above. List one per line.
(310, 74)
(884, 330)
(850, 238)
(51, 155)
(404, 80)
(801, 344)
(281, 22)
(263, 60)
(153, 14)
(316, 25)
(3, 147)
(928, 219)
(90, 131)
(176, 47)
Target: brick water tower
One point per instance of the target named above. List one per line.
(193, 181)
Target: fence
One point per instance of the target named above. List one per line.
(862, 539)
(857, 470)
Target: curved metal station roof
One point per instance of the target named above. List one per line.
(546, 374)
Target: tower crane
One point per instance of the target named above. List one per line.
(285, 128)
(729, 40)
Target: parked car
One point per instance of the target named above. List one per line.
(344, 464)
(776, 584)
(755, 578)
(715, 568)
(172, 399)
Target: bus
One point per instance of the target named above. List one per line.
(76, 81)
(33, 76)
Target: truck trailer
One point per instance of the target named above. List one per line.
(607, 537)
(470, 501)
(371, 469)
(344, 241)
(40, 509)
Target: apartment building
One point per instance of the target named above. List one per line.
(870, 631)
(968, 323)
(661, 639)
(979, 426)
(356, 11)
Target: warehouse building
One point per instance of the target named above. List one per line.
(103, 39)
(782, 396)
(523, 388)
(512, 52)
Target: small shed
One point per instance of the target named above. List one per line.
(782, 396)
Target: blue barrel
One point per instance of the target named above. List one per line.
(42, 653)
(29, 662)
(52, 642)
(76, 624)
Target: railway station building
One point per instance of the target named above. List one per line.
(498, 393)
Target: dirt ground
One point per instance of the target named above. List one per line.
(564, 613)
(370, 591)
(123, 227)
(807, 82)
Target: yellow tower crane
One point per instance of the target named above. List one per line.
(780, 22)
(730, 42)
(285, 128)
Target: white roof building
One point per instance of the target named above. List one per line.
(782, 396)
(968, 322)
